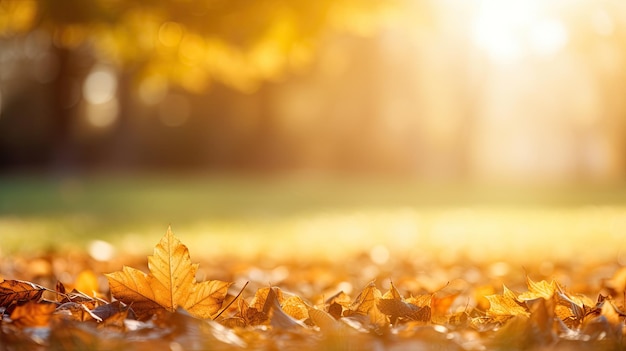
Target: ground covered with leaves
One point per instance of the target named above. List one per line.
(357, 302)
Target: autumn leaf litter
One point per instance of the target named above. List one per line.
(166, 307)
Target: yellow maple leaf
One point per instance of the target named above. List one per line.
(170, 284)
(541, 289)
(505, 305)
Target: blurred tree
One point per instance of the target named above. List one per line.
(157, 43)
(237, 42)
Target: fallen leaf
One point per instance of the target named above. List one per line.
(259, 302)
(569, 309)
(399, 309)
(77, 311)
(278, 317)
(338, 303)
(393, 305)
(295, 307)
(13, 291)
(392, 293)
(541, 289)
(420, 300)
(366, 300)
(505, 305)
(170, 284)
(366, 304)
(441, 305)
(32, 314)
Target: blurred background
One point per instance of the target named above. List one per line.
(486, 128)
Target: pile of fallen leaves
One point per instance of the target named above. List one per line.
(168, 308)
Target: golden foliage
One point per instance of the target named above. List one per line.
(239, 43)
(167, 306)
(171, 283)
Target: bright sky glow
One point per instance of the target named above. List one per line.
(509, 30)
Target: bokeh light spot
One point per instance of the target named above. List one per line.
(101, 250)
(100, 86)
(379, 254)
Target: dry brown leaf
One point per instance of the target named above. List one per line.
(366, 300)
(338, 303)
(325, 321)
(13, 291)
(366, 304)
(541, 289)
(440, 305)
(393, 305)
(505, 305)
(259, 302)
(399, 309)
(392, 293)
(77, 311)
(171, 283)
(570, 310)
(32, 314)
(295, 307)
(250, 315)
(420, 300)
(278, 317)
(340, 298)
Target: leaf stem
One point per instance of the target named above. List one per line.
(230, 303)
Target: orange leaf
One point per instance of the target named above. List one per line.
(440, 306)
(12, 291)
(392, 293)
(541, 289)
(505, 305)
(278, 318)
(393, 305)
(295, 307)
(32, 314)
(367, 304)
(367, 299)
(170, 284)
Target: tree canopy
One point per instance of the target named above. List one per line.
(191, 43)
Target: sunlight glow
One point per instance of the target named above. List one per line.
(547, 37)
(509, 30)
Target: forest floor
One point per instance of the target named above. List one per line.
(382, 266)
